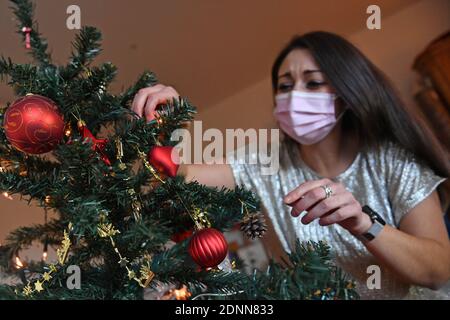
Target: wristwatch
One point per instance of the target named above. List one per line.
(377, 224)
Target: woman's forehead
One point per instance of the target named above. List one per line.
(298, 61)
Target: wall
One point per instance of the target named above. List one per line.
(393, 48)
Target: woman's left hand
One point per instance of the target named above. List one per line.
(341, 207)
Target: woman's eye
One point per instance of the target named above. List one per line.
(314, 84)
(283, 87)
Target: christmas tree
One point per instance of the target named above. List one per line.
(124, 217)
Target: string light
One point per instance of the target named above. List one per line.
(7, 195)
(47, 199)
(68, 130)
(180, 294)
(45, 252)
(18, 263)
(23, 171)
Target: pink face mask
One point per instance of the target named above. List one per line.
(306, 117)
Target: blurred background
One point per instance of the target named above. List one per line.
(219, 55)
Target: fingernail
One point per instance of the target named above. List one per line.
(303, 219)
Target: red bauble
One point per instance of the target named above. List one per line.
(34, 124)
(208, 247)
(160, 157)
(178, 237)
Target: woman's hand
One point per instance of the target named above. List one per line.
(147, 99)
(341, 207)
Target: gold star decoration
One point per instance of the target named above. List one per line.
(61, 252)
(135, 205)
(147, 276)
(119, 147)
(52, 268)
(64, 249)
(38, 286)
(149, 167)
(106, 230)
(46, 276)
(123, 262)
(27, 290)
(201, 219)
(131, 274)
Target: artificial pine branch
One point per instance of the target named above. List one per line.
(147, 79)
(23, 10)
(308, 274)
(86, 47)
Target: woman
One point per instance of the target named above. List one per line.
(349, 144)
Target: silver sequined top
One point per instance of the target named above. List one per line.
(389, 180)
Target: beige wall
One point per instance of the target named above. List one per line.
(403, 36)
(393, 49)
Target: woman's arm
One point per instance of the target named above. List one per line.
(418, 252)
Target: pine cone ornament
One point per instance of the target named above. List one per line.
(254, 225)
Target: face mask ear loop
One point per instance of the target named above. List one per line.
(342, 113)
(340, 116)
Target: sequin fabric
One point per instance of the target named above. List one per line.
(387, 179)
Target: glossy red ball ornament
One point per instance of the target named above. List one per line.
(208, 247)
(160, 157)
(34, 124)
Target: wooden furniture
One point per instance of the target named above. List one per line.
(433, 98)
(433, 65)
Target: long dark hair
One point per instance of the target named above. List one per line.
(377, 114)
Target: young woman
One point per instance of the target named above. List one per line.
(356, 169)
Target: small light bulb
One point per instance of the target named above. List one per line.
(182, 293)
(47, 199)
(7, 195)
(45, 252)
(19, 264)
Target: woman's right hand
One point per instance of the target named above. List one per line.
(147, 99)
(144, 105)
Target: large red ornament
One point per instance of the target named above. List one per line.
(160, 157)
(34, 124)
(98, 145)
(208, 247)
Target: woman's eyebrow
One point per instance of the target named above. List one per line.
(285, 75)
(311, 71)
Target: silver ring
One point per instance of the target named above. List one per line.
(328, 191)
